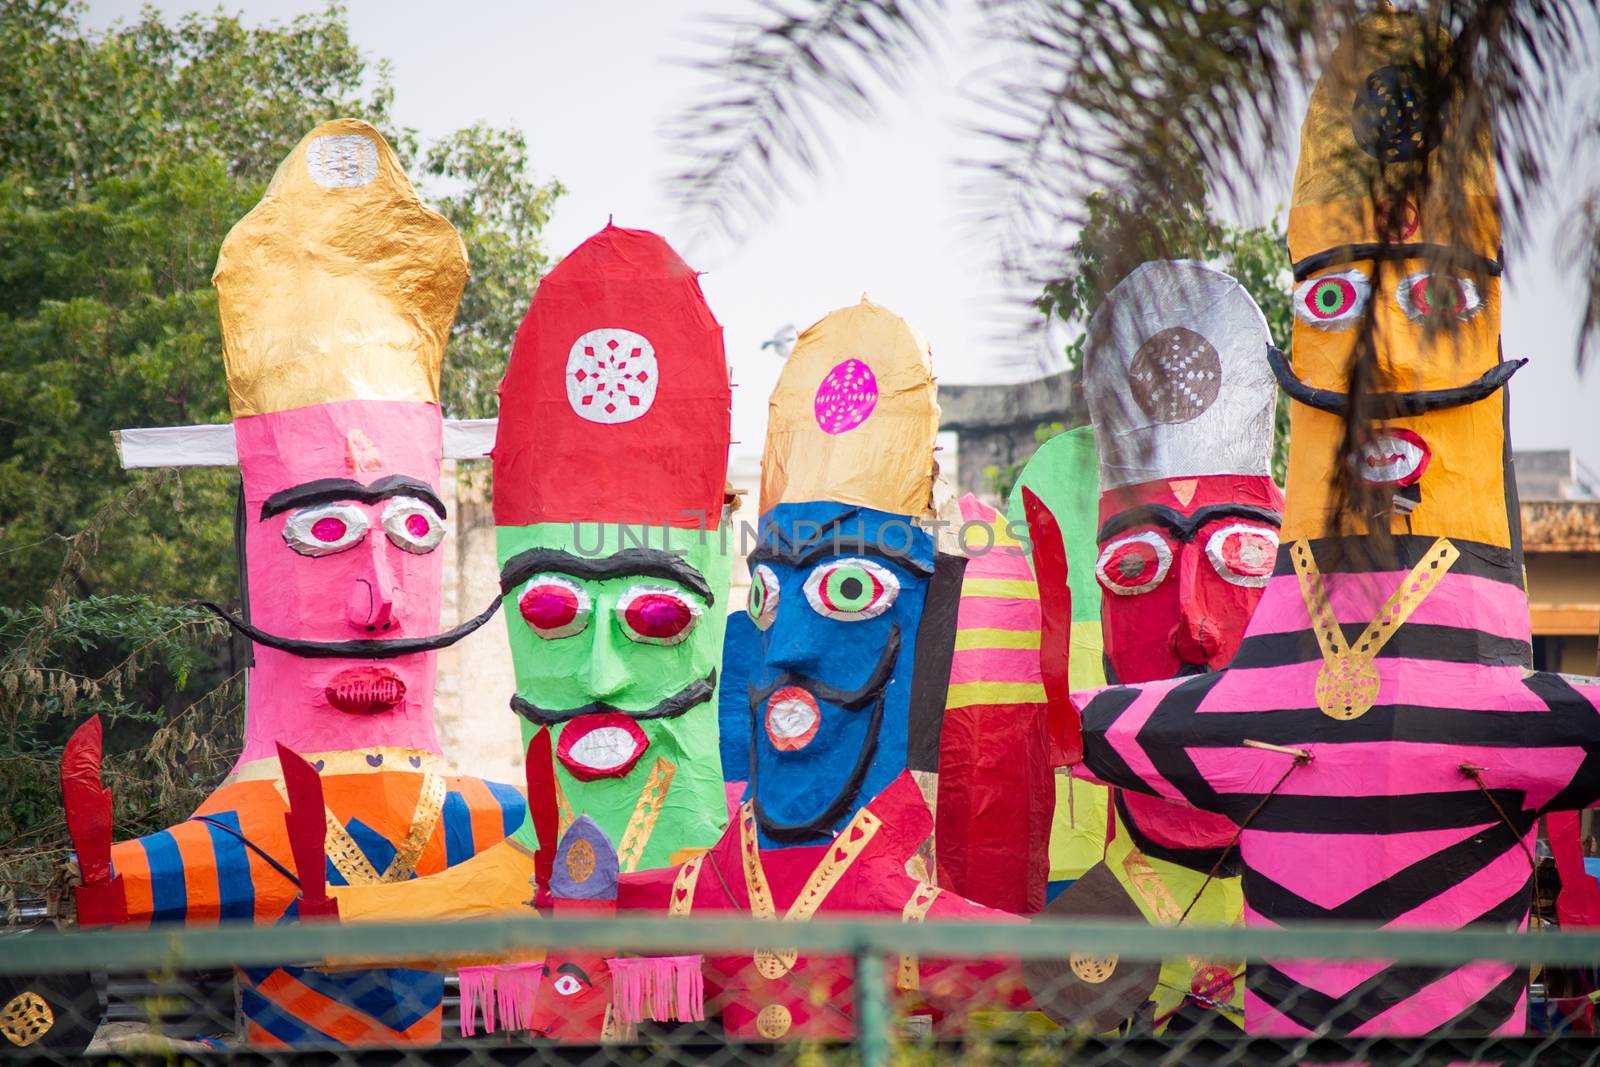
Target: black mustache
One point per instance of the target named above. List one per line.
(691, 695)
(851, 699)
(1386, 405)
(370, 649)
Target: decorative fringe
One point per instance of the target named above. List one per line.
(671, 987)
(508, 988)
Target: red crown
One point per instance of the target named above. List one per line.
(616, 405)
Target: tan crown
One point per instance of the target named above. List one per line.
(340, 284)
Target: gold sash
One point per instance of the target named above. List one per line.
(1347, 682)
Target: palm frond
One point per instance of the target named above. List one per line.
(775, 79)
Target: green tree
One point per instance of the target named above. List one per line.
(126, 157)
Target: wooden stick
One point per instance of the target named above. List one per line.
(1298, 753)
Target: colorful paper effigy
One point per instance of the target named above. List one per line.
(1182, 402)
(609, 473)
(336, 294)
(1064, 474)
(855, 605)
(996, 783)
(855, 611)
(1387, 660)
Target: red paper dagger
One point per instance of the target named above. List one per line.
(541, 771)
(1065, 725)
(88, 806)
(306, 822)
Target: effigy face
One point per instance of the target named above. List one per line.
(837, 593)
(342, 528)
(1182, 403)
(616, 649)
(854, 607)
(1418, 279)
(1182, 563)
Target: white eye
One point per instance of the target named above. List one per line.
(1243, 554)
(763, 605)
(567, 984)
(851, 589)
(1332, 301)
(1436, 297)
(325, 529)
(412, 525)
(1133, 564)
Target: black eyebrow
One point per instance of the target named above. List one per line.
(1369, 251)
(628, 563)
(573, 968)
(328, 490)
(839, 546)
(1184, 526)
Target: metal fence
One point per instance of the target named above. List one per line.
(839, 992)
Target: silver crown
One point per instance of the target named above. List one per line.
(1177, 378)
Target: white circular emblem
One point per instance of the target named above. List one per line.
(611, 375)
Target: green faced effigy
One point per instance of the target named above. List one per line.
(609, 471)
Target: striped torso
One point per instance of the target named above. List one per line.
(1382, 825)
(231, 860)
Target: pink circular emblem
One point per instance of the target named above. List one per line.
(846, 397)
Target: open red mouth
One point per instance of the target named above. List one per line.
(792, 718)
(1394, 457)
(601, 746)
(365, 690)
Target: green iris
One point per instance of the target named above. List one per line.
(1329, 298)
(758, 598)
(849, 589)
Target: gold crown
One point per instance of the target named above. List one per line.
(1369, 128)
(340, 284)
(854, 416)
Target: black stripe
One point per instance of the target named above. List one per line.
(1408, 888)
(1316, 1010)
(1203, 860)
(1494, 1010)
(1395, 813)
(1386, 722)
(1575, 719)
(1099, 715)
(1362, 555)
(1422, 641)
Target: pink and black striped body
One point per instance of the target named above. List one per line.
(1385, 824)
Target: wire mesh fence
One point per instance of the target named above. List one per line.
(628, 990)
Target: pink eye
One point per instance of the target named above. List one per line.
(412, 525)
(656, 616)
(554, 607)
(325, 529)
(328, 529)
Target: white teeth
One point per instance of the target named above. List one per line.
(605, 748)
(1389, 459)
(791, 718)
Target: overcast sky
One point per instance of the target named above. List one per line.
(591, 83)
